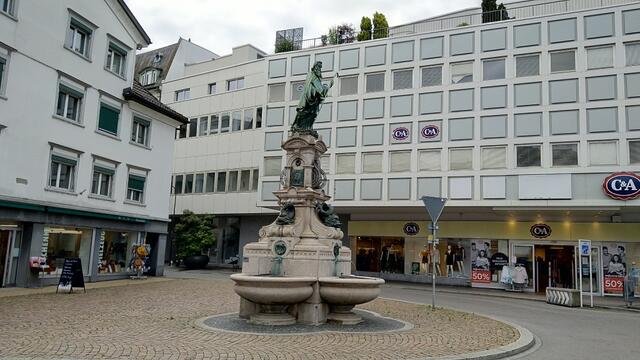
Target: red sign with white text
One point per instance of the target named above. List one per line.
(613, 284)
(481, 276)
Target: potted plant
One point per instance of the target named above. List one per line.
(194, 235)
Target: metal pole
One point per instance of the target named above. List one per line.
(580, 267)
(433, 262)
(590, 275)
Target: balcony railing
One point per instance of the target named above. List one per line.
(450, 22)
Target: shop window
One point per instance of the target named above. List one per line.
(603, 153)
(461, 129)
(600, 57)
(347, 110)
(526, 35)
(564, 154)
(598, 26)
(562, 61)
(327, 61)
(324, 115)
(299, 65)
(461, 44)
(431, 103)
(203, 126)
(375, 55)
(432, 76)
(494, 97)
(632, 85)
(376, 254)
(62, 242)
(528, 124)
(494, 39)
(232, 185)
(372, 162)
(601, 88)
(373, 108)
(399, 189)
(483, 274)
(528, 65)
(221, 184)
(493, 69)
(401, 105)
(563, 91)
(346, 136)
(602, 120)
(461, 159)
(493, 126)
(272, 166)
(348, 85)
(115, 251)
(402, 79)
(275, 116)
(634, 152)
(343, 189)
(402, 51)
(564, 122)
(370, 189)
(632, 53)
(225, 122)
(273, 140)
(429, 187)
(199, 183)
(493, 157)
(461, 100)
(462, 72)
(276, 92)
(178, 184)
(562, 30)
(345, 163)
(349, 59)
(528, 155)
(431, 48)
(277, 68)
(429, 160)
(372, 135)
(374, 82)
(136, 184)
(326, 135)
(211, 182)
(399, 161)
(268, 187)
(633, 118)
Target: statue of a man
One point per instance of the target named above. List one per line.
(310, 101)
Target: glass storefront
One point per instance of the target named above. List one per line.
(380, 254)
(115, 252)
(59, 243)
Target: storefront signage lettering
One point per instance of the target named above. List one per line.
(540, 231)
(411, 228)
(401, 133)
(430, 131)
(622, 186)
(481, 276)
(613, 284)
(498, 260)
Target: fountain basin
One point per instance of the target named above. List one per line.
(272, 296)
(343, 293)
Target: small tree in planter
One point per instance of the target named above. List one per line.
(194, 235)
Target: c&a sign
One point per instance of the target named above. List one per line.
(622, 186)
(540, 231)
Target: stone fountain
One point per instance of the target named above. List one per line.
(298, 271)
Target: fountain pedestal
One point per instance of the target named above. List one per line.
(284, 273)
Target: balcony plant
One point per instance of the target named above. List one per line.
(194, 235)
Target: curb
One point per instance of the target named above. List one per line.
(525, 342)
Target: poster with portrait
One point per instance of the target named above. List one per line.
(614, 268)
(480, 263)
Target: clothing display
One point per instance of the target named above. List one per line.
(506, 276)
(449, 257)
(520, 275)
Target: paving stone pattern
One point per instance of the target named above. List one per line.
(156, 321)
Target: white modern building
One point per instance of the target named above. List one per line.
(83, 147)
(525, 123)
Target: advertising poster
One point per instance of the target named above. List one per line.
(480, 264)
(614, 268)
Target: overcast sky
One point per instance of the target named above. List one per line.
(219, 25)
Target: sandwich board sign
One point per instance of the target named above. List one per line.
(71, 275)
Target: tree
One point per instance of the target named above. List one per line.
(194, 234)
(345, 33)
(491, 11)
(365, 29)
(284, 45)
(380, 26)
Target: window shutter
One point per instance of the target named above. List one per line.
(103, 170)
(142, 121)
(108, 119)
(136, 182)
(71, 91)
(64, 160)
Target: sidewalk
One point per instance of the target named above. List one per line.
(16, 291)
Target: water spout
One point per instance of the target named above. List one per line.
(276, 267)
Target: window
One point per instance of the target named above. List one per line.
(431, 48)
(212, 88)
(277, 68)
(493, 126)
(371, 189)
(461, 129)
(563, 91)
(188, 184)
(601, 88)
(372, 162)
(347, 110)
(401, 105)
(402, 51)
(296, 90)
(211, 181)
(193, 127)
(258, 118)
(327, 61)
(276, 92)
(79, 37)
(461, 44)
(462, 72)
(563, 61)
(348, 85)
(373, 108)
(402, 79)
(108, 119)
(343, 189)
(598, 26)
(345, 163)
(528, 155)
(564, 122)
(432, 76)
(632, 53)
(3, 66)
(140, 131)
(494, 39)
(268, 187)
(602, 120)
(225, 122)
(69, 102)
(232, 186)
(528, 65)
(528, 124)
(199, 188)
(272, 166)
(182, 131)
(493, 69)
(177, 186)
(374, 82)
(494, 157)
(372, 135)
(248, 119)
(245, 180)
(324, 115)
(236, 123)
(526, 35)
(493, 97)
(429, 187)
(600, 57)
(399, 161)
(346, 136)
(400, 133)
(603, 153)
(429, 160)
(272, 140)
(461, 159)
(633, 118)
(431, 103)
(116, 59)
(299, 65)
(149, 77)
(430, 131)
(255, 176)
(325, 135)
(375, 55)
(63, 170)
(182, 95)
(135, 186)
(8, 6)
(527, 94)
(564, 154)
(235, 84)
(634, 152)
(631, 21)
(461, 100)
(215, 123)
(562, 30)
(349, 59)
(203, 126)
(221, 185)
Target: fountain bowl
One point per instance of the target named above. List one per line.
(343, 293)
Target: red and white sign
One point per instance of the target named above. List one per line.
(613, 284)
(481, 276)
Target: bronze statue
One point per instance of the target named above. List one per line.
(310, 101)
(327, 215)
(287, 214)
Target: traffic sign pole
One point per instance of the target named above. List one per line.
(434, 206)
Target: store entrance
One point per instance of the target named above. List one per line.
(555, 266)
(5, 253)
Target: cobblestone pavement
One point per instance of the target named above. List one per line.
(155, 320)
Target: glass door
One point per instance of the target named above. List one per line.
(523, 256)
(595, 270)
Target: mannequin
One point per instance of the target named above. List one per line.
(460, 258)
(436, 260)
(449, 260)
(425, 260)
